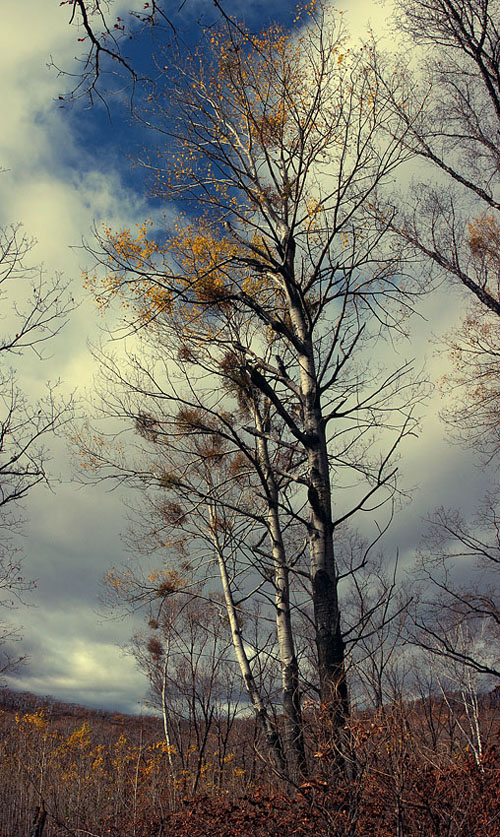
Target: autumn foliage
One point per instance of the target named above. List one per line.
(111, 775)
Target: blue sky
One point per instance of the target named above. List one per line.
(65, 169)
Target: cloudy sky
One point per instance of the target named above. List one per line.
(66, 168)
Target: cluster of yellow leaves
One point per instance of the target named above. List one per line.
(206, 261)
(99, 762)
(484, 244)
(33, 720)
(207, 273)
(123, 754)
(92, 448)
(253, 97)
(259, 85)
(476, 345)
(474, 413)
(128, 259)
(80, 738)
(314, 211)
(132, 250)
(271, 124)
(118, 579)
(89, 782)
(307, 9)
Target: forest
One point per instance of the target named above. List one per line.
(256, 399)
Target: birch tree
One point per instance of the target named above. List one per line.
(212, 518)
(261, 305)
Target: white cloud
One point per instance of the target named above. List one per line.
(88, 670)
(57, 187)
(361, 16)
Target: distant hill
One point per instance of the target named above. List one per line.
(22, 702)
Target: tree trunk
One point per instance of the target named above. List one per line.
(164, 708)
(266, 723)
(38, 823)
(328, 636)
(293, 730)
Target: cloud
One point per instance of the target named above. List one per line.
(57, 183)
(64, 171)
(74, 657)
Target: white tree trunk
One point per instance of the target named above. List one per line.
(269, 728)
(294, 737)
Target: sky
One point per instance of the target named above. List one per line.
(67, 168)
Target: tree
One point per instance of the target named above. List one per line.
(450, 108)
(449, 220)
(461, 620)
(209, 518)
(256, 314)
(186, 656)
(24, 426)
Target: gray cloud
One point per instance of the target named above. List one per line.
(57, 188)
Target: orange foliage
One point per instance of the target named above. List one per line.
(109, 779)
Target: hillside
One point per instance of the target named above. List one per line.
(69, 769)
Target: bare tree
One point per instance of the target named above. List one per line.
(186, 656)
(105, 66)
(448, 220)
(450, 107)
(24, 426)
(459, 568)
(213, 528)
